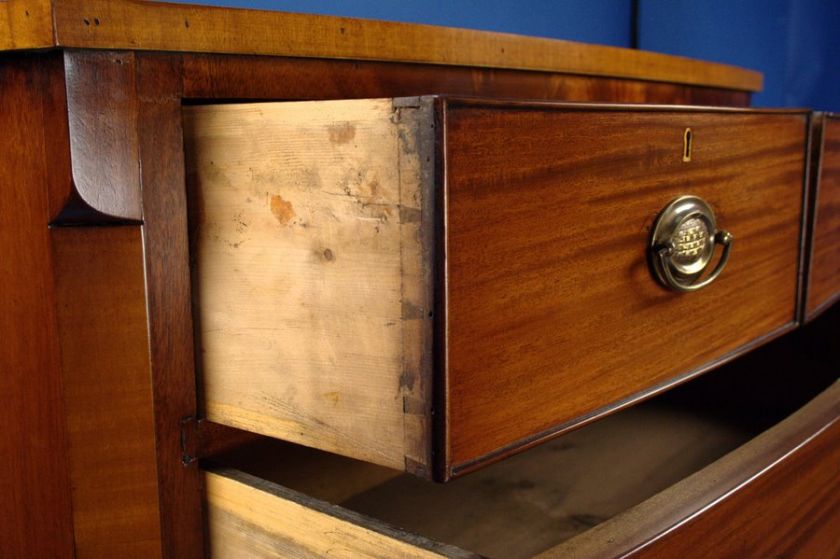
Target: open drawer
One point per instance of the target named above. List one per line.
(639, 477)
(431, 284)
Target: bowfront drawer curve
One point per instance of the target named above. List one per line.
(431, 284)
(774, 495)
(824, 259)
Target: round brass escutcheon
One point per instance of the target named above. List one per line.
(683, 243)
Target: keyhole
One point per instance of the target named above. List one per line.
(687, 145)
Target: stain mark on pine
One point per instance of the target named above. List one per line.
(282, 209)
(341, 133)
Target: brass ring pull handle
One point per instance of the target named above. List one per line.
(722, 238)
(683, 243)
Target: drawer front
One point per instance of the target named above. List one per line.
(430, 284)
(552, 312)
(776, 496)
(824, 273)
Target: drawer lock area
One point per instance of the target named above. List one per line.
(683, 243)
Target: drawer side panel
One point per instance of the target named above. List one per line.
(309, 269)
(249, 517)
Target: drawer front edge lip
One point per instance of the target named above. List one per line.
(710, 486)
(817, 140)
(337, 511)
(810, 187)
(440, 300)
(456, 470)
(822, 307)
(751, 477)
(458, 101)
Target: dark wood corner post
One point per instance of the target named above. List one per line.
(101, 119)
(82, 472)
(120, 241)
(166, 245)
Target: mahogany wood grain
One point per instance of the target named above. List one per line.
(100, 287)
(165, 242)
(157, 26)
(551, 311)
(102, 119)
(208, 76)
(35, 509)
(824, 274)
(777, 496)
(38, 186)
(791, 511)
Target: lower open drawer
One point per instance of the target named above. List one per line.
(658, 480)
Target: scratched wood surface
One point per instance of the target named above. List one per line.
(824, 276)
(311, 289)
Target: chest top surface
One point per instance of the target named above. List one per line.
(158, 26)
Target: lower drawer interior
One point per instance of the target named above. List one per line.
(531, 502)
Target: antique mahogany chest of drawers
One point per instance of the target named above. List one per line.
(271, 279)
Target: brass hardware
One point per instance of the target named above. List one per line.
(683, 243)
(687, 135)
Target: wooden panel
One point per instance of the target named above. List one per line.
(552, 312)
(102, 120)
(248, 517)
(35, 511)
(105, 373)
(312, 295)
(824, 276)
(776, 496)
(26, 24)
(533, 501)
(131, 24)
(166, 246)
(231, 77)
